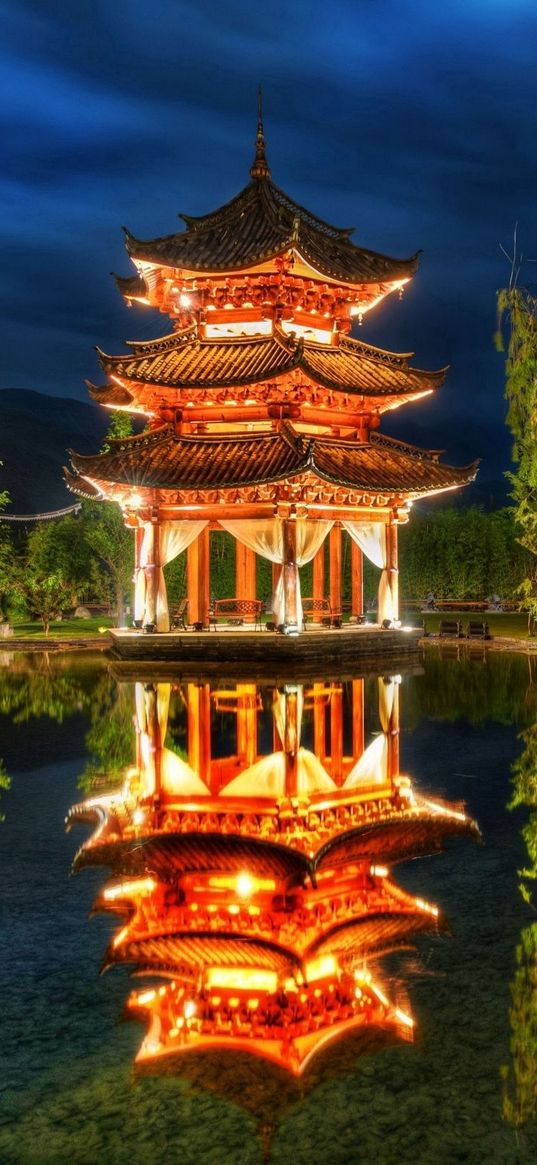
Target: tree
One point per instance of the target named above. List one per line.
(6, 556)
(111, 542)
(105, 532)
(46, 596)
(5, 782)
(61, 547)
(521, 392)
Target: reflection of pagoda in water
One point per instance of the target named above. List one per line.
(254, 888)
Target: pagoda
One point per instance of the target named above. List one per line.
(255, 889)
(262, 412)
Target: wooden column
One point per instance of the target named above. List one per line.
(290, 744)
(192, 571)
(198, 579)
(335, 568)
(393, 565)
(205, 732)
(276, 576)
(247, 723)
(137, 606)
(357, 719)
(245, 580)
(318, 580)
(155, 744)
(193, 726)
(319, 722)
(336, 733)
(204, 577)
(290, 572)
(393, 736)
(151, 574)
(357, 580)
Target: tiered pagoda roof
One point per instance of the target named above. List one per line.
(183, 361)
(260, 224)
(163, 460)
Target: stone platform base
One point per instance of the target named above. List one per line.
(352, 650)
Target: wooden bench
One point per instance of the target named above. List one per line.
(178, 619)
(450, 629)
(478, 630)
(461, 605)
(322, 608)
(237, 612)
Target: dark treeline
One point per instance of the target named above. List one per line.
(461, 553)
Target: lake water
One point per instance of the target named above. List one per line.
(428, 1088)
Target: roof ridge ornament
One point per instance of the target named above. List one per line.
(260, 167)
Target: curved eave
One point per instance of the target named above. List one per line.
(78, 485)
(348, 368)
(268, 223)
(193, 950)
(398, 269)
(160, 460)
(110, 395)
(393, 839)
(166, 853)
(131, 286)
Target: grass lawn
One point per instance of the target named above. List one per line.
(512, 624)
(63, 629)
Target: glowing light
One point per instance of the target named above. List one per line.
(380, 995)
(404, 1018)
(442, 811)
(242, 978)
(231, 882)
(138, 816)
(320, 968)
(120, 936)
(128, 889)
(145, 997)
(134, 501)
(427, 906)
(189, 1009)
(379, 871)
(244, 886)
(184, 300)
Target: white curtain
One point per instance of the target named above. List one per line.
(310, 536)
(145, 697)
(267, 777)
(173, 538)
(140, 585)
(372, 538)
(177, 778)
(386, 697)
(265, 537)
(372, 767)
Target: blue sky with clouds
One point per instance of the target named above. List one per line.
(412, 121)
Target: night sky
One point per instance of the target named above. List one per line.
(410, 120)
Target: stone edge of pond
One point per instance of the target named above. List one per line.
(496, 643)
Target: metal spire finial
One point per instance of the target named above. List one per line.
(260, 168)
